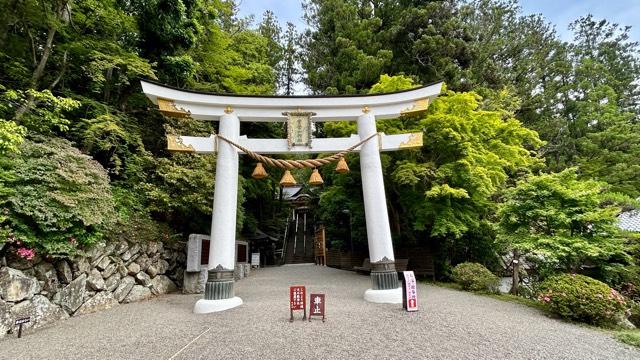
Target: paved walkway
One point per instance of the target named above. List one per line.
(449, 325)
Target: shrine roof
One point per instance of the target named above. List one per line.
(630, 220)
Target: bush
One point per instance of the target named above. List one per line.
(634, 313)
(59, 198)
(475, 277)
(582, 298)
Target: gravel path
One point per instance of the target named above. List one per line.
(449, 325)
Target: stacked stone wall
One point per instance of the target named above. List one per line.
(48, 289)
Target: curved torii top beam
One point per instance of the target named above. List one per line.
(210, 106)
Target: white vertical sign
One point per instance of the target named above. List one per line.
(255, 259)
(411, 292)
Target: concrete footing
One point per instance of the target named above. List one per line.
(391, 296)
(204, 306)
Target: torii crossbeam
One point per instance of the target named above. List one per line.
(231, 109)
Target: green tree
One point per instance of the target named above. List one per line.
(597, 91)
(442, 194)
(564, 221)
(290, 73)
(272, 32)
(342, 52)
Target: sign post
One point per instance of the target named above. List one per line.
(255, 259)
(409, 292)
(316, 306)
(297, 300)
(21, 321)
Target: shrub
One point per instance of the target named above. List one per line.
(475, 277)
(59, 198)
(634, 313)
(582, 298)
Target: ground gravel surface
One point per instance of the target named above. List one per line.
(449, 325)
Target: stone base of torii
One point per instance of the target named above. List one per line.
(228, 109)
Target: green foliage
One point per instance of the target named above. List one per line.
(388, 84)
(622, 277)
(583, 299)
(182, 186)
(342, 48)
(48, 116)
(634, 313)
(582, 96)
(59, 197)
(561, 219)
(11, 136)
(112, 142)
(134, 221)
(469, 154)
(631, 337)
(342, 212)
(475, 277)
(441, 194)
(71, 70)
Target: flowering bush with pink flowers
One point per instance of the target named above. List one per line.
(26, 253)
(582, 298)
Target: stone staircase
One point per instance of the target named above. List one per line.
(299, 251)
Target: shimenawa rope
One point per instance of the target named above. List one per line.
(292, 164)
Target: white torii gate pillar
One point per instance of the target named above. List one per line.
(218, 292)
(384, 279)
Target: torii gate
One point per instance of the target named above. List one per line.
(231, 109)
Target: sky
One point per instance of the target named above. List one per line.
(558, 12)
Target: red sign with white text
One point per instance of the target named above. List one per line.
(410, 291)
(297, 296)
(316, 305)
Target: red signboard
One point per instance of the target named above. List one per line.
(316, 305)
(409, 292)
(297, 297)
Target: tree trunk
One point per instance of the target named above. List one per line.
(37, 74)
(516, 272)
(107, 85)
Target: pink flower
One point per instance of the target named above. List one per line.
(546, 299)
(26, 253)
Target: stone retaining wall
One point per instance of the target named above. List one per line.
(49, 290)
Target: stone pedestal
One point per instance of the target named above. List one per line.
(385, 287)
(239, 272)
(219, 284)
(218, 292)
(194, 282)
(384, 275)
